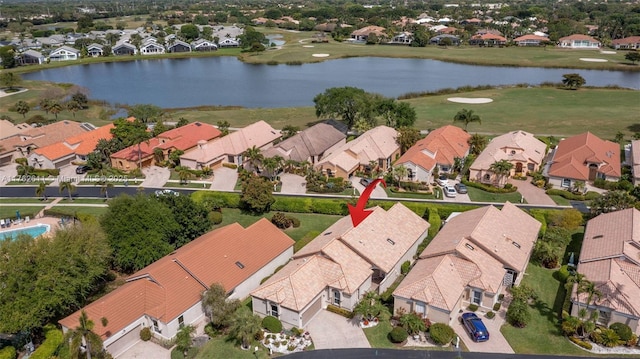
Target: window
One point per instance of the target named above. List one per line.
(513, 152)
(336, 297)
(530, 166)
(156, 328)
(274, 310)
(566, 182)
(476, 297)
(445, 169)
(240, 265)
(420, 309)
(181, 321)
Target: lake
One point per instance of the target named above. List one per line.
(226, 81)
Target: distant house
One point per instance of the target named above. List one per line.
(31, 57)
(64, 53)
(438, 150)
(583, 157)
(95, 50)
(204, 45)
(609, 259)
(179, 46)
(374, 149)
(230, 148)
(628, 43)
(363, 33)
(124, 48)
(228, 43)
(182, 138)
(403, 38)
(635, 161)
(440, 40)
(151, 47)
(487, 39)
(520, 148)
(70, 150)
(531, 40)
(166, 295)
(474, 258)
(342, 264)
(578, 41)
(310, 144)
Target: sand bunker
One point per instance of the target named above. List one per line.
(320, 55)
(469, 100)
(307, 46)
(588, 59)
(608, 52)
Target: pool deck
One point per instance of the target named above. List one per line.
(52, 221)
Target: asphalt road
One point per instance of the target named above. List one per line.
(409, 354)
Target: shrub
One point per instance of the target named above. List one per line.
(496, 307)
(435, 222)
(53, 339)
(230, 165)
(398, 335)
(8, 353)
(633, 341)
(280, 220)
(610, 338)
(295, 222)
(472, 307)
(491, 189)
(221, 199)
(272, 324)
(490, 315)
(501, 296)
(145, 334)
(215, 217)
(518, 314)
(341, 311)
(562, 274)
(292, 204)
(296, 332)
(441, 333)
(623, 331)
(404, 269)
(581, 343)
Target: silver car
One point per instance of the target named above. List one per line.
(449, 191)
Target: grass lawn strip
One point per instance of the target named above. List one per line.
(478, 195)
(220, 347)
(10, 211)
(25, 200)
(74, 210)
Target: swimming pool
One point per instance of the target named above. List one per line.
(33, 231)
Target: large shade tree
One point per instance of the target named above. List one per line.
(218, 307)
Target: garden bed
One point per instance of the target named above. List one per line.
(285, 343)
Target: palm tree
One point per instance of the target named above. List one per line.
(184, 174)
(466, 116)
(270, 165)
(22, 108)
(244, 326)
(578, 186)
(40, 190)
(501, 168)
(184, 340)
(82, 340)
(255, 157)
(477, 143)
(578, 279)
(592, 291)
(45, 105)
(369, 306)
(104, 188)
(73, 107)
(55, 108)
(67, 185)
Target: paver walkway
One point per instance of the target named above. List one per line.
(331, 331)
(531, 193)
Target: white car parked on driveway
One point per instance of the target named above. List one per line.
(449, 191)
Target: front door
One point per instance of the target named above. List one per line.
(519, 167)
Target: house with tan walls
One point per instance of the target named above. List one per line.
(584, 157)
(375, 149)
(519, 148)
(230, 148)
(474, 258)
(610, 259)
(438, 149)
(579, 41)
(342, 264)
(634, 161)
(167, 294)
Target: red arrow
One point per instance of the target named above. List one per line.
(358, 213)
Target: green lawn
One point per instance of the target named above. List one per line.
(10, 211)
(73, 210)
(187, 185)
(220, 347)
(392, 194)
(478, 195)
(308, 222)
(559, 200)
(24, 200)
(378, 335)
(83, 201)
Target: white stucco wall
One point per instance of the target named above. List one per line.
(242, 291)
(192, 316)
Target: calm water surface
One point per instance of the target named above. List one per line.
(227, 81)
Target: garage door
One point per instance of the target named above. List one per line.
(311, 311)
(64, 162)
(125, 342)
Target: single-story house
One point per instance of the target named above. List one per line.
(438, 40)
(376, 148)
(520, 148)
(362, 34)
(310, 144)
(628, 43)
(204, 45)
(487, 39)
(403, 38)
(71, 149)
(583, 157)
(579, 41)
(150, 46)
(30, 138)
(179, 46)
(166, 295)
(95, 50)
(228, 42)
(31, 57)
(181, 138)
(342, 264)
(124, 48)
(230, 148)
(609, 259)
(635, 161)
(64, 53)
(438, 150)
(472, 260)
(531, 40)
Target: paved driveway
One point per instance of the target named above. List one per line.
(8, 173)
(68, 173)
(378, 192)
(458, 198)
(331, 331)
(224, 179)
(496, 344)
(155, 177)
(531, 193)
(293, 183)
(143, 350)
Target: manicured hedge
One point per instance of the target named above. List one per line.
(540, 217)
(591, 195)
(490, 189)
(145, 334)
(441, 333)
(341, 311)
(623, 331)
(435, 221)
(292, 204)
(53, 339)
(226, 199)
(398, 335)
(272, 324)
(581, 343)
(8, 353)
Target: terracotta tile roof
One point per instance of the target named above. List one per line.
(488, 36)
(606, 235)
(313, 141)
(8, 129)
(627, 40)
(132, 153)
(43, 136)
(572, 155)
(81, 144)
(168, 287)
(377, 143)
(441, 146)
(257, 134)
(531, 37)
(54, 151)
(527, 148)
(578, 37)
(378, 30)
(343, 256)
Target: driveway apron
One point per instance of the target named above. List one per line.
(331, 331)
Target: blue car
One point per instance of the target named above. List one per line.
(475, 327)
